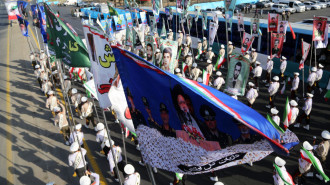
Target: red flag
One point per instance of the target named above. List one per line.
(319, 24)
(292, 32)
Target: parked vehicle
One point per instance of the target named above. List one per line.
(268, 4)
(322, 5)
(299, 6)
(279, 8)
(312, 6)
(327, 2)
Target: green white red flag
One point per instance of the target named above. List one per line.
(206, 77)
(287, 113)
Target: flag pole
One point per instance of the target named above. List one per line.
(124, 145)
(227, 43)
(310, 59)
(28, 40)
(97, 115)
(303, 72)
(196, 28)
(268, 38)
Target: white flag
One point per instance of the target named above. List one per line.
(212, 32)
(324, 43)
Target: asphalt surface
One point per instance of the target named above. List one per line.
(33, 152)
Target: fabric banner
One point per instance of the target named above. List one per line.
(22, 8)
(286, 177)
(119, 104)
(237, 76)
(138, 37)
(186, 127)
(206, 77)
(163, 32)
(204, 21)
(276, 45)
(120, 22)
(215, 17)
(43, 23)
(112, 10)
(169, 13)
(155, 6)
(287, 113)
(103, 63)
(254, 25)
(305, 50)
(277, 127)
(23, 25)
(152, 24)
(282, 26)
(319, 24)
(247, 42)
(90, 87)
(169, 50)
(240, 25)
(34, 10)
(129, 19)
(179, 5)
(64, 42)
(272, 22)
(186, 4)
(12, 9)
(143, 18)
(102, 24)
(109, 29)
(229, 17)
(151, 49)
(189, 21)
(230, 5)
(212, 32)
(324, 43)
(129, 36)
(198, 10)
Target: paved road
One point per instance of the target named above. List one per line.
(32, 150)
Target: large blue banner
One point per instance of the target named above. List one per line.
(42, 20)
(23, 25)
(22, 7)
(183, 126)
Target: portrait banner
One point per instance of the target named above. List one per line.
(155, 6)
(179, 6)
(204, 21)
(198, 10)
(169, 50)
(246, 42)
(187, 127)
(23, 25)
(237, 76)
(120, 22)
(272, 22)
(143, 18)
(129, 19)
(319, 24)
(169, 13)
(189, 21)
(305, 50)
(150, 47)
(109, 29)
(276, 45)
(212, 32)
(240, 19)
(230, 5)
(324, 43)
(42, 22)
(254, 25)
(22, 8)
(129, 36)
(103, 64)
(12, 9)
(282, 26)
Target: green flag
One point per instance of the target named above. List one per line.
(64, 42)
(269, 118)
(317, 165)
(112, 10)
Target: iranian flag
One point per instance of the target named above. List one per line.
(220, 61)
(184, 69)
(305, 49)
(287, 114)
(206, 77)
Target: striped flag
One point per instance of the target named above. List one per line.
(206, 77)
(305, 49)
(278, 128)
(184, 69)
(220, 61)
(287, 113)
(286, 178)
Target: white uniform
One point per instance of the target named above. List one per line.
(76, 160)
(46, 86)
(76, 99)
(294, 114)
(283, 66)
(195, 72)
(188, 41)
(308, 106)
(322, 150)
(276, 119)
(254, 56)
(209, 55)
(189, 61)
(67, 85)
(222, 52)
(74, 135)
(218, 82)
(270, 65)
(230, 49)
(251, 95)
(278, 180)
(204, 45)
(295, 83)
(102, 137)
(51, 102)
(158, 58)
(257, 71)
(304, 165)
(209, 69)
(273, 88)
(133, 179)
(319, 74)
(119, 158)
(311, 78)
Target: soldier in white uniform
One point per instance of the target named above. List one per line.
(51, 101)
(295, 85)
(185, 50)
(230, 48)
(204, 44)
(171, 34)
(188, 40)
(179, 41)
(195, 72)
(283, 175)
(275, 117)
(304, 163)
(199, 49)
(311, 80)
(91, 179)
(273, 88)
(33, 60)
(247, 55)
(252, 94)
(294, 112)
(209, 54)
(319, 74)
(158, 57)
(178, 72)
(76, 100)
(322, 149)
(43, 60)
(180, 34)
(306, 112)
(282, 68)
(209, 67)
(133, 178)
(46, 85)
(219, 81)
(77, 159)
(87, 112)
(67, 84)
(77, 134)
(254, 56)
(61, 121)
(189, 61)
(222, 52)
(118, 159)
(37, 72)
(257, 71)
(269, 68)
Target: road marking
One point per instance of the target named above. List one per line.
(90, 157)
(10, 177)
(35, 40)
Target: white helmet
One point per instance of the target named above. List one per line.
(84, 99)
(279, 161)
(85, 180)
(37, 66)
(325, 134)
(74, 91)
(274, 111)
(78, 126)
(177, 70)
(194, 65)
(218, 73)
(129, 169)
(199, 79)
(74, 147)
(100, 126)
(307, 146)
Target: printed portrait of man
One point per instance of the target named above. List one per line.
(167, 58)
(318, 31)
(246, 44)
(276, 48)
(272, 23)
(149, 52)
(234, 81)
(254, 29)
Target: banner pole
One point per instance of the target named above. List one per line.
(196, 28)
(227, 43)
(97, 115)
(176, 23)
(314, 53)
(268, 38)
(151, 175)
(303, 73)
(124, 145)
(111, 148)
(310, 59)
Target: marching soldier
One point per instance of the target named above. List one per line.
(77, 134)
(209, 67)
(185, 50)
(282, 68)
(188, 40)
(230, 48)
(269, 68)
(76, 100)
(87, 112)
(195, 72)
(133, 178)
(62, 122)
(179, 41)
(294, 113)
(180, 34)
(46, 85)
(273, 88)
(222, 52)
(204, 44)
(171, 34)
(219, 81)
(37, 72)
(280, 174)
(116, 159)
(158, 57)
(199, 49)
(311, 80)
(295, 85)
(319, 74)
(67, 84)
(189, 61)
(257, 71)
(305, 163)
(91, 177)
(247, 55)
(33, 60)
(322, 149)
(275, 117)
(209, 54)
(51, 101)
(252, 94)
(254, 56)
(102, 137)
(306, 112)
(77, 159)
(43, 60)
(178, 72)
